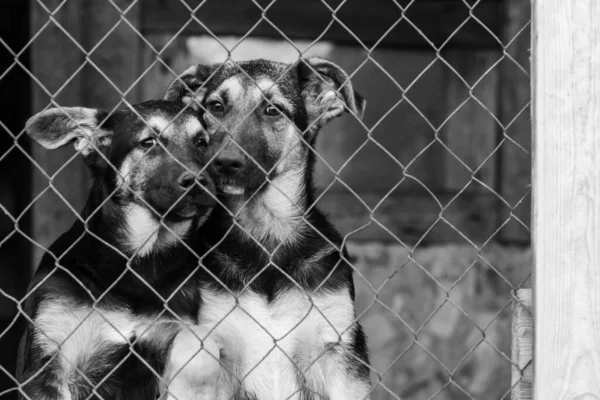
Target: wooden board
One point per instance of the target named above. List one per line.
(522, 345)
(566, 187)
(437, 20)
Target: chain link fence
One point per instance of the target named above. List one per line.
(430, 190)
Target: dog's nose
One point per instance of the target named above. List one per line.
(187, 179)
(228, 165)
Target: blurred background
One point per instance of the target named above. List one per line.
(431, 189)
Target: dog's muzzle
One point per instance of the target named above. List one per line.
(188, 197)
(228, 167)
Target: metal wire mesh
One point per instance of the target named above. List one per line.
(408, 266)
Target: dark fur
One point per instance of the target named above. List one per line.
(87, 264)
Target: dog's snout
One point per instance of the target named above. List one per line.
(202, 180)
(187, 179)
(228, 164)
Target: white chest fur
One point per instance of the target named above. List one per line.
(268, 346)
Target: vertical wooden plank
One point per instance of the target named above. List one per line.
(515, 94)
(522, 346)
(471, 131)
(566, 187)
(50, 215)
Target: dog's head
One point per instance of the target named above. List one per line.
(263, 116)
(148, 160)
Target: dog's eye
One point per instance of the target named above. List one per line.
(272, 110)
(148, 143)
(216, 107)
(202, 142)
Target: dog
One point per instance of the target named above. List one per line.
(279, 299)
(117, 296)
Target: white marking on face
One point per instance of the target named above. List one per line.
(144, 233)
(233, 87)
(267, 88)
(195, 102)
(163, 126)
(262, 341)
(192, 127)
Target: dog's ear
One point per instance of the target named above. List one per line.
(327, 90)
(57, 127)
(188, 87)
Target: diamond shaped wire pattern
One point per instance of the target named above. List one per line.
(426, 198)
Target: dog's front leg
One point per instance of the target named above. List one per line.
(342, 383)
(340, 370)
(345, 388)
(193, 368)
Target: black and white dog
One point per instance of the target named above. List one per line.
(280, 305)
(110, 303)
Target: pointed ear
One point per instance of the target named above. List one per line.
(57, 127)
(327, 90)
(188, 87)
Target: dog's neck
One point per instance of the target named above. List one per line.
(142, 234)
(132, 229)
(276, 214)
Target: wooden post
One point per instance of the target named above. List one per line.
(566, 188)
(522, 346)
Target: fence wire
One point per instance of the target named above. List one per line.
(409, 260)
